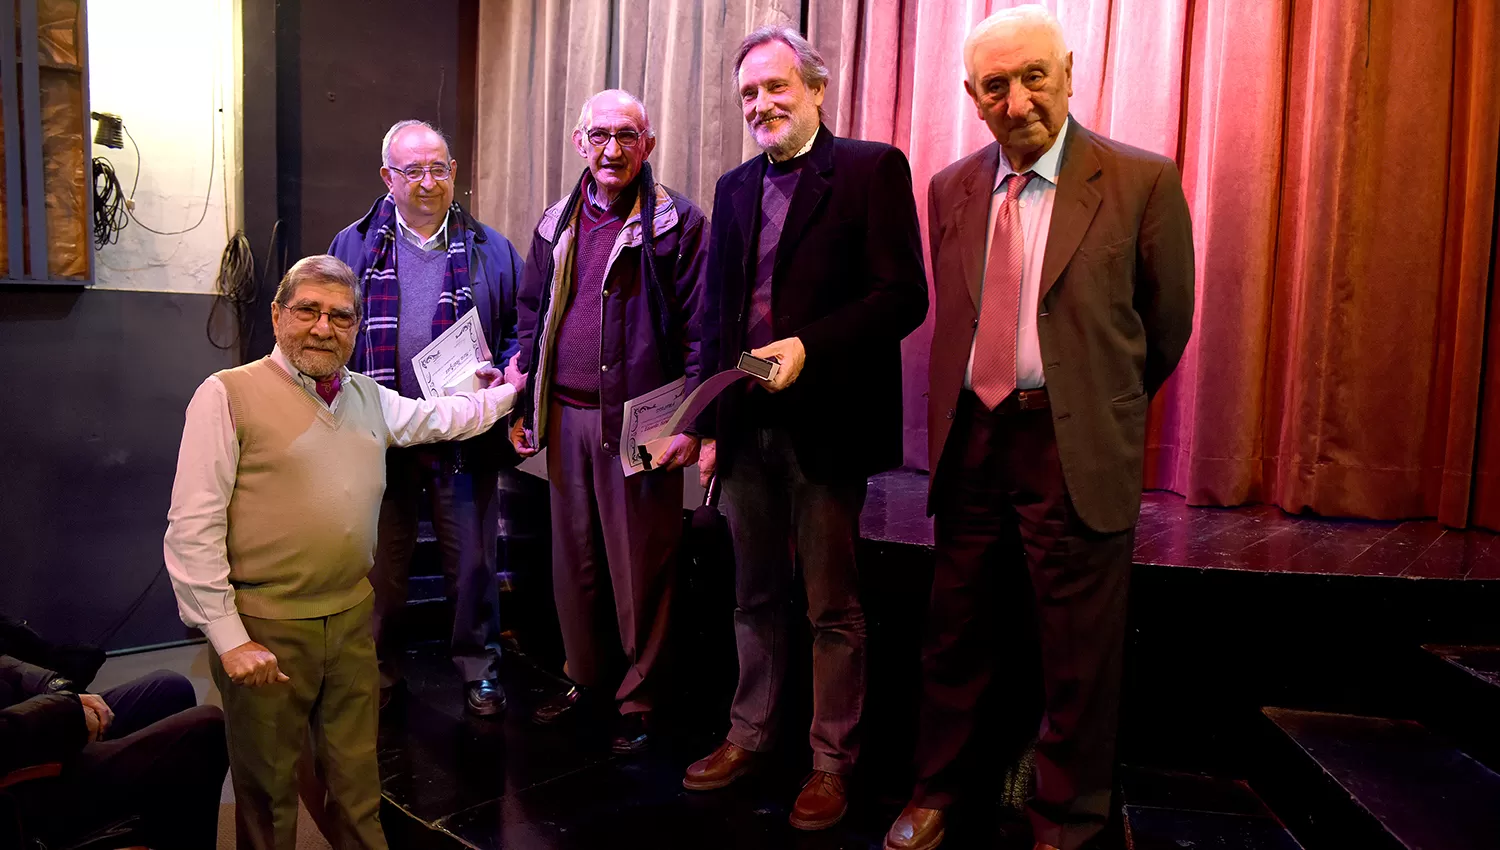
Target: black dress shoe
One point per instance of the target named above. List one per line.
(567, 704)
(630, 733)
(485, 697)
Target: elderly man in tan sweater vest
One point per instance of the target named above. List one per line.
(270, 537)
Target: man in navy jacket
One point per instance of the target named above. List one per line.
(425, 262)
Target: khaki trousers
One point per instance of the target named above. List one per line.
(333, 696)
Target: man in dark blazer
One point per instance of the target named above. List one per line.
(815, 260)
(1063, 271)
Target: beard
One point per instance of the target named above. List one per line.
(786, 136)
(315, 362)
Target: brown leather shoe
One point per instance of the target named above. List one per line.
(721, 767)
(916, 829)
(822, 802)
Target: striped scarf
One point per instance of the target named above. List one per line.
(383, 294)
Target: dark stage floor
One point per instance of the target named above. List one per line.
(510, 784)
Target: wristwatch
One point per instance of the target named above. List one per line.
(59, 685)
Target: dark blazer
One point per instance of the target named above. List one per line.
(1114, 312)
(848, 282)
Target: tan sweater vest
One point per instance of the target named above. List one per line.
(307, 493)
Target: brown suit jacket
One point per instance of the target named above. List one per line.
(1114, 312)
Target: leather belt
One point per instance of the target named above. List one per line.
(1022, 400)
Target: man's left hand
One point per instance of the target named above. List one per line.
(513, 375)
(490, 377)
(106, 715)
(790, 355)
(682, 451)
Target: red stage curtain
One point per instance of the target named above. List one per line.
(1340, 161)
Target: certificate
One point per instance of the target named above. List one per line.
(446, 366)
(653, 419)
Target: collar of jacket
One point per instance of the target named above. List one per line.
(663, 218)
(461, 218)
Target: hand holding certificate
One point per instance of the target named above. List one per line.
(653, 419)
(448, 364)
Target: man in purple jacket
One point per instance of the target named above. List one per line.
(415, 251)
(608, 312)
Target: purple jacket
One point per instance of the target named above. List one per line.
(650, 333)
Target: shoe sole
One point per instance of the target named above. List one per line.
(931, 845)
(716, 784)
(815, 825)
(484, 712)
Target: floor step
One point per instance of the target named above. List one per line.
(1481, 663)
(1171, 811)
(1415, 789)
(1463, 698)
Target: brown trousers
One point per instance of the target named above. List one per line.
(605, 524)
(1004, 521)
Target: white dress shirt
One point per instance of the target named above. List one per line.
(437, 241)
(198, 520)
(1036, 220)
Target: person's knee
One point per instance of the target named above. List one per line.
(203, 726)
(173, 691)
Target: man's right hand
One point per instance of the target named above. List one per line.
(94, 721)
(252, 665)
(518, 439)
(708, 461)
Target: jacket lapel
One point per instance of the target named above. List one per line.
(971, 211)
(746, 205)
(812, 188)
(1074, 208)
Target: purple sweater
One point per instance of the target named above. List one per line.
(576, 379)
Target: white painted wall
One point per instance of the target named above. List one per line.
(169, 68)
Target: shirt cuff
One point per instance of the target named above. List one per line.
(226, 633)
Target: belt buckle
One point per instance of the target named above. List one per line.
(1031, 399)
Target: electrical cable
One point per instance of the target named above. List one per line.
(207, 194)
(109, 633)
(110, 216)
(234, 285)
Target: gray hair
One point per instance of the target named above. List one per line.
(396, 128)
(810, 62)
(324, 268)
(1030, 14)
(586, 114)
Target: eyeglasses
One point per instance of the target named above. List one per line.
(439, 171)
(341, 319)
(626, 138)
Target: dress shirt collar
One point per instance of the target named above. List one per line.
(438, 239)
(307, 381)
(805, 148)
(1046, 167)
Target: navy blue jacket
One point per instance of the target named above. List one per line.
(494, 274)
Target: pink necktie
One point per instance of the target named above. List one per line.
(994, 369)
(329, 389)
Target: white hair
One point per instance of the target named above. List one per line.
(1029, 15)
(396, 128)
(586, 114)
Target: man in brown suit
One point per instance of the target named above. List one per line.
(1063, 267)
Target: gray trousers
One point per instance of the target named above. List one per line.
(465, 517)
(780, 520)
(602, 520)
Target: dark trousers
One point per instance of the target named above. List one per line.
(780, 520)
(1004, 520)
(607, 527)
(163, 761)
(465, 517)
